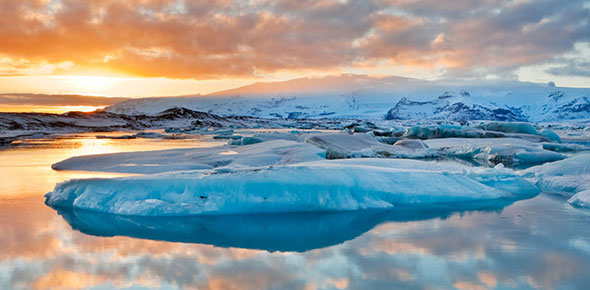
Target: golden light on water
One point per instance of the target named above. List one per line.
(36, 156)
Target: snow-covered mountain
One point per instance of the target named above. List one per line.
(353, 96)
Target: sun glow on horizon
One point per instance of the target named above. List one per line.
(48, 109)
(88, 83)
(115, 86)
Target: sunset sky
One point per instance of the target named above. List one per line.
(141, 48)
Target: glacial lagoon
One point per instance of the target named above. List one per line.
(536, 243)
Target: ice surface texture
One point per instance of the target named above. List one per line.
(569, 177)
(262, 154)
(565, 177)
(311, 186)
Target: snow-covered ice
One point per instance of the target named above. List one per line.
(509, 151)
(565, 177)
(263, 154)
(344, 145)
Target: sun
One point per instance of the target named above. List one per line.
(88, 84)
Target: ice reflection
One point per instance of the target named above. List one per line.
(297, 232)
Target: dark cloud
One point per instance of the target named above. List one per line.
(572, 69)
(225, 38)
(576, 63)
(56, 100)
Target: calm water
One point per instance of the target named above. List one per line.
(536, 243)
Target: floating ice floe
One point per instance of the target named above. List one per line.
(569, 177)
(565, 147)
(509, 127)
(565, 177)
(509, 151)
(521, 130)
(448, 131)
(487, 130)
(261, 137)
(328, 185)
(362, 145)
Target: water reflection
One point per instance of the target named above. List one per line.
(297, 232)
(535, 243)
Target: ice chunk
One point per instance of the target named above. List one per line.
(521, 130)
(551, 135)
(311, 186)
(565, 177)
(346, 145)
(263, 154)
(504, 154)
(457, 142)
(245, 141)
(564, 147)
(411, 144)
(509, 151)
(581, 199)
(261, 137)
(448, 131)
(509, 127)
(490, 130)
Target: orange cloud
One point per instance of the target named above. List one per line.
(228, 39)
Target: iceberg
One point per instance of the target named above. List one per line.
(362, 145)
(565, 177)
(521, 130)
(448, 131)
(509, 127)
(411, 144)
(508, 151)
(326, 185)
(565, 147)
(488, 130)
